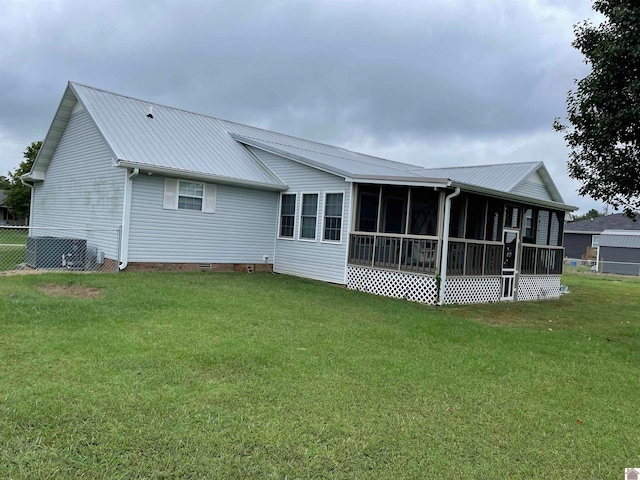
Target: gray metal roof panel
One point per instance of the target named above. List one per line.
(620, 238)
(336, 160)
(174, 139)
(503, 177)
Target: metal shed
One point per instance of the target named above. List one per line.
(619, 252)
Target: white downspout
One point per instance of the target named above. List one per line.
(445, 244)
(30, 199)
(126, 217)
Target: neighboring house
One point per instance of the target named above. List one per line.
(7, 217)
(191, 191)
(581, 234)
(619, 252)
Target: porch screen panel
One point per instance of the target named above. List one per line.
(542, 234)
(530, 226)
(361, 249)
(555, 262)
(495, 211)
(419, 254)
(476, 213)
(528, 265)
(512, 216)
(456, 221)
(475, 258)
(394, 209)
(455, 259)
(493, 260)
(368, 198)
(423, 212)
(555, 238)
(387, 252)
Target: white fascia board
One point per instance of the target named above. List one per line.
(465, 187)
(205, 177)
(402, 181)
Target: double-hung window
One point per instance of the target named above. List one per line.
(309, 216)
(332, 217)
(189, 195)
(287, 215)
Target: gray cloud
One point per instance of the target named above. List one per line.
(342, 72)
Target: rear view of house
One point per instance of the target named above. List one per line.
(188, 191)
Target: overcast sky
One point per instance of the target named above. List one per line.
(429, 82)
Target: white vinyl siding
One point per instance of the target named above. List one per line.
(241, 231)
(82, 188)
(534, 187)
(319, 260)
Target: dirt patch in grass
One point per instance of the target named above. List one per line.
(26, 271)
(71, 291)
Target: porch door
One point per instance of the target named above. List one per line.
(510, 238)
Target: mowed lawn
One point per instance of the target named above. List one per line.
(211, 375)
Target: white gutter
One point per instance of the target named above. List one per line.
(203, 177)
(126, 217)
(445, 245)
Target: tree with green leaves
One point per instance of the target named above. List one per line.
(604, 110)
(18, 196)
(593, 213)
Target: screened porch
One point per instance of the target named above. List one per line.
(401, 228)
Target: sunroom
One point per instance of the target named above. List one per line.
(498, 247)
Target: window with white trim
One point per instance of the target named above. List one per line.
(287, 215)
(332, 230)
(309, 216)
(188, 195)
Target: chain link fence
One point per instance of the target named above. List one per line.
(575, 265)
(46, 248)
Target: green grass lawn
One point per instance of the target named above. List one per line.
(166, 375)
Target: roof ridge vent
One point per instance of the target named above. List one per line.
(150, 114)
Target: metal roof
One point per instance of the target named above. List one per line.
(172, 139)
(178, 142)
(620, 238)
(502, 177)
(334, 159)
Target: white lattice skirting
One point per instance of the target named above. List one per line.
(531, 287)
(388, 283)
(461, 290)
